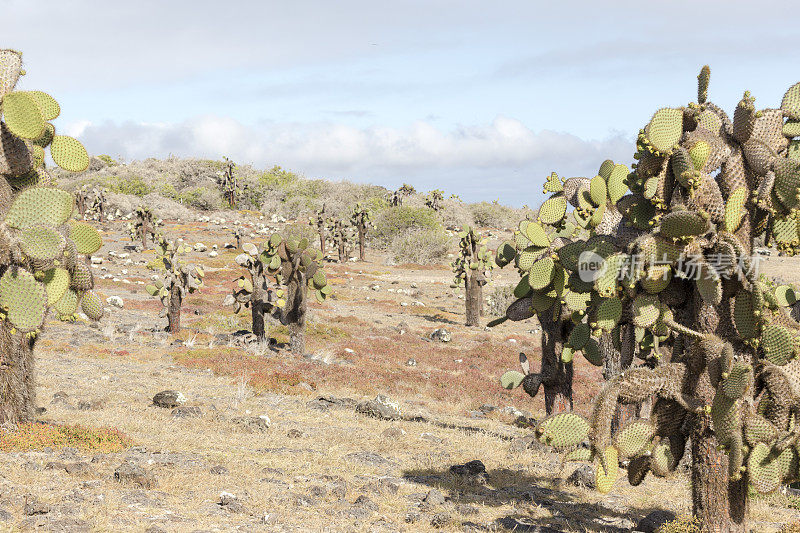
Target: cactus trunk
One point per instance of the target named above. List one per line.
(296, 306)
(174, 311)
(257, 308)
(362, 234)
(322, 241)
(474, 299)
(342, 252)
(556, 375)
(17, 386)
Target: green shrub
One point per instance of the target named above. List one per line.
(499, 300)
(200, 198)
(493, 215)
(277, 177)
(134, 186)
(167, 190)
(107, 160)
(421, 246)
(298, 230)
(398, 221)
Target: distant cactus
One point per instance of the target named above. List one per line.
(434, 199)
(254, 290)
(321, 223)
(179, 280)
(395, 199)
(471, 265)
(360, 218)
(406, 190)
(297, 268)
(667, 274)
(143, 226)
(230, 186)
(237, 235)
(97, 208)
(42, 250)
(340, 237)
(81, 202)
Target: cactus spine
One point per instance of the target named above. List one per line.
(470, 267)
(179, 280)
(42, 249)
(254, 290)
(360, 218)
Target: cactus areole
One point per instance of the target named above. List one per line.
(678, 288)
(43, 250)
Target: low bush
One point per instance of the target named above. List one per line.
(421, 246)
(38, 436)
(499, 300)
(493, 215)
(398, 221)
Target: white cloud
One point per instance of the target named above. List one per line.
(479, 161)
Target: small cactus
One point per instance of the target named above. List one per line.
(179, 280)
(321, 223)
(229, 184)
(340, 237)
(143, 226)
(434, 200)
(254, 290)
(471, 266)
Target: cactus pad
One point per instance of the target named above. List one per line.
(778, 344)
(646, 310)
(683, 223)
(86, 238)
(785, 295)
(22, 115)
(791, 102)
(637, 210)
(562, 430)
(67, 305)
(665, 129)
(553, 210)
(579, 335)
(56, 282)
(511, 379)
(92, 305)
(541, 273)
(578, 455)
(23, 299)
(739, 380)
(607, 470)
(45, 206)
(634, 437)
(553, 183)
(48, 106)
(41, 243)
(536, 234)
(763, 469)
(662, 461)
(656, 278)
(69, 154)
(609, 313)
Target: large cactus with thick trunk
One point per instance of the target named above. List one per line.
(180, 279)
(42, 249)
(361, 220)
(470, 267)
(298, 268)
(673, 276)
(254, 289)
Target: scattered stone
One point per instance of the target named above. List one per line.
(200, 247)
(367, 458)
(653, 521)
(583, 476)
(252, 423)
(54, 465)
(80, 468)
(473, 472)
(364, 502)
(169, 399)
(441, 335)
(411, 362)
(440, 520)
(213, 253)
(393, 433)
(116, 301)
(97, 260)
(5, 516)
(155, 529)
(135, 474)
(433, 497)
(230, 502)
(93, 405)
(218, 470)
(305, 386)
(187, 411)
(381, 407)
(35, 507)
(295, 433)
(466, 510)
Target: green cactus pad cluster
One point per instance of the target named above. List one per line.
(179, 279)
(677, 235)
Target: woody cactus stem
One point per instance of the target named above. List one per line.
(434, 199)
(229, 185)
(340, 237)
(42, 250)
(180, 279)
(296, 267)
(254, 290)
(360, 218)
(474, 261)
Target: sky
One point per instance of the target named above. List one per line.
(480, 99)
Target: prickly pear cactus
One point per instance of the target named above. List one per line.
(254, 290)
(42, 249)
(361, 220)
(143, 226)
(672, 270)
(297, 268)
(434, 199)
(471, 266)
(229, 184)
(340, 235)
(322, 228)
(180, 279)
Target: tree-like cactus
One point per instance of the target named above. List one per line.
(470, 267)
(321, 223)
(81, 202)
(434, 199)
(229, 184)
(669, 270)
(253, 290)
(144, 225)
(360, 218)
(42, 250)
(340, 237)
(179, 280)
(97, 207)
(238, 233)
(297, 268)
